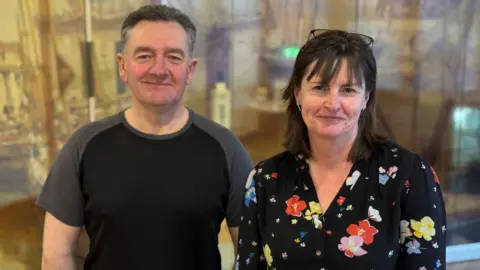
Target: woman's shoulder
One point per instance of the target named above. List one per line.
(281, 159)
(391, 156)
(279, 163)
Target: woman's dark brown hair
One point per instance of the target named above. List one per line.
(325, 49)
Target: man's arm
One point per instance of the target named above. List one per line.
(234, 235)
(82, 249)
(59, 244)
(62, 199)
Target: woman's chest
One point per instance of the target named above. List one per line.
(357, 229)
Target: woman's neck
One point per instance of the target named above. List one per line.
(331, 153)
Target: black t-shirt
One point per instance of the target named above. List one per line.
(147, 201)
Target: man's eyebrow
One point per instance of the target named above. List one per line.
(175, 50)
(143, 49)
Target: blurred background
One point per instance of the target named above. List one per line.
(427, 51)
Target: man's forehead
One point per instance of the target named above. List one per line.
(157, 34)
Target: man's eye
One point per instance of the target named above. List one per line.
(175, 58)
(143, 56)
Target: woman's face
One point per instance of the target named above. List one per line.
(331, 110)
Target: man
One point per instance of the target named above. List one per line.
(152, 184)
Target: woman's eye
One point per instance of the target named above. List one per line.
(319, 87)
(349, 90)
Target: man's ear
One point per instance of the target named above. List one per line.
(191, 68)
(121, 67)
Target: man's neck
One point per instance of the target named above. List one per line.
(331, 153)
(157, 120)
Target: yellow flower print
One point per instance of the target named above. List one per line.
(308, 215)
(268, 254)
(315, 208)
(294, 221)
(425, 228)
(314, 211)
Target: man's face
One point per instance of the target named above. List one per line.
(156, 63)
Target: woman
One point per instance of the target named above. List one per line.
(340, 196)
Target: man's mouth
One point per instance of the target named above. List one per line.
(157, 83)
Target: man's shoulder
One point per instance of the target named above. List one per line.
(81, 136)
(236, 155)
(222, 135)
(212, 128)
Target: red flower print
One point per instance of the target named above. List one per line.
(435, 177)
(274, 175)
(295, 206)
(340, 200)
(364, 230)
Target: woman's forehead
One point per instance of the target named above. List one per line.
(339, 71)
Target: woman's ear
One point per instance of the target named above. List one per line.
(367, 97)
(296, 92)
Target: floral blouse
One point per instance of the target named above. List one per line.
(388, 214)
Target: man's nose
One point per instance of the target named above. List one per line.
(159, 66)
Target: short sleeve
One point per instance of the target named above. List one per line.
(239, 165)
(61, 194)
(250, 249)
(239, 168)
(423, 220)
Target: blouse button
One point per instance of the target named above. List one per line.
(318, 253)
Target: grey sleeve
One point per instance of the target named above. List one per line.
(61, 194)
(240, 166)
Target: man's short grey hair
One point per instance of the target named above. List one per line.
(155, 13)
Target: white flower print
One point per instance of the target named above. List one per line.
(352, 180)
(404, 231)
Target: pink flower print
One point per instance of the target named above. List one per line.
(392, 171)
(352, 246)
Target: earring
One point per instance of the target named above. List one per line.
(299, 107)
